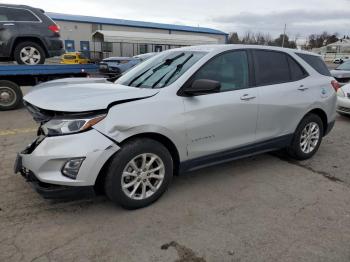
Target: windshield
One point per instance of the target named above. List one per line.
(344, 66)
(161, 70)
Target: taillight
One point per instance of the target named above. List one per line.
(54, 28)
(335, 85)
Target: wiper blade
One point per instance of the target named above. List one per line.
(167, 62)
(178, 68)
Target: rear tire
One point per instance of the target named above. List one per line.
(10, 95)
(29, 53)
(128, 182)
(307, 138)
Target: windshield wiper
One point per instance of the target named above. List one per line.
(167, 62)
(178, 68)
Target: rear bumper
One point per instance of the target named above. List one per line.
(54, 46)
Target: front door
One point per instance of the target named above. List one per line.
(226, 120)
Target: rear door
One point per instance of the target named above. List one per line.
(283, 92)
(8, 30)
(226, 120)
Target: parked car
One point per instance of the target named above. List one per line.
(342, 73)
(341, 60)
(343, 103)
(27, 35)
(74, 58)
(118, 65)
(182, 110)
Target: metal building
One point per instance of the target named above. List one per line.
(103, 37)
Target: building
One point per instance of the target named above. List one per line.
(103, 37)
(339, 49)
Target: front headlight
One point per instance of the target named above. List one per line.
(340, 93)
(56, 127)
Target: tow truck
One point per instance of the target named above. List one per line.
(12, 77)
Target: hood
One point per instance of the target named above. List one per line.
(340, 73)
(82, 96)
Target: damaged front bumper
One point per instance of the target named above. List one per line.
(42, 161)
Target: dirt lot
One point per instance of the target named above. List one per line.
(259, 209)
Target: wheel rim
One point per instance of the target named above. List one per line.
(143, 176)
(309, 137)
(30, 55)
(7, 96)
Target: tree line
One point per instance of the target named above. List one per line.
(258, 38)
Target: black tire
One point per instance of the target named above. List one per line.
(20, 46)
(10, 95)
(128, 151)
(295, 150)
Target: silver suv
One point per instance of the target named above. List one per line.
(181, 110)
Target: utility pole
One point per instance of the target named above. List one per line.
(284, 34)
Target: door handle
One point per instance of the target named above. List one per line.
(8, 24)
(247, 97)
(303, 88)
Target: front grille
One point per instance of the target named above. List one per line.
(343, 109)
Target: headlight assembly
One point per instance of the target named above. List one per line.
(56, 127)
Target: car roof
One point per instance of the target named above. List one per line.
(225, 47)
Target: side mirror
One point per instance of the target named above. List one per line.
(202, 87)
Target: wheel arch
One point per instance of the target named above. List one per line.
(34, 39)
(322, 114)
(165, 141)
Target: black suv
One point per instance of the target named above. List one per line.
(27, 35)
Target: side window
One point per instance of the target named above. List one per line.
(271, 67)
(20, 15)
(296, 71)
(230, 69)
(316, 63)
(3, 14)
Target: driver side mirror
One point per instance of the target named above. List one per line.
(203, 87)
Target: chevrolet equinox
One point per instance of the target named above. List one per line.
(181, 110)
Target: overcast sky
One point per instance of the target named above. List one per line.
(301, 16)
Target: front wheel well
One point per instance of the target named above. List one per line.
(165, 141)
(319, 112)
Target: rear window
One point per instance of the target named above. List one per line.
(17, 15)
(316, 63)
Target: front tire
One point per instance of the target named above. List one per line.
(29, 53)
(139, 173)
(307, 138)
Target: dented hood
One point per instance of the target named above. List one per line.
(83, 95)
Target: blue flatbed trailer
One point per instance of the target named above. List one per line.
(12, 77)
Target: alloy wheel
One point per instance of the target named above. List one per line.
(143, 176)
(29, 55)
(309, 138)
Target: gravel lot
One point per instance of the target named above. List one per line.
(265, 208)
